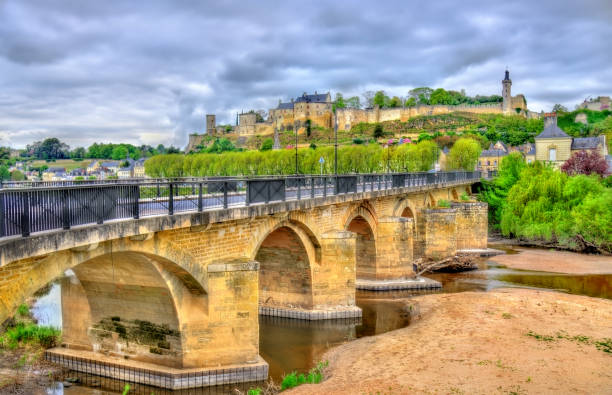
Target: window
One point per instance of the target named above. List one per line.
(495, 163)
(552, 154)
(488, 163)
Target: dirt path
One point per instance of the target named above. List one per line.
(556, 261)
(478, 343)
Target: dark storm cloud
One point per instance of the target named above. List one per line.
(90, 71)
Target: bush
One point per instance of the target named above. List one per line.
(378, 131)
(45, 336)
(267, 144)
(465, 197)
(443, 203)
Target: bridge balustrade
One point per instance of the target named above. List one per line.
(31, 207)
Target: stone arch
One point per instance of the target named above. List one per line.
(363, 224)
(364, 210)
(430, 201)
(454, 194)
(304, 232)
(46, 268)
(285, 257)
(135, 305)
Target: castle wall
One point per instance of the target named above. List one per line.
(348, 117)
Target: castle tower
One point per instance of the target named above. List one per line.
(211, 124)
(507, 94)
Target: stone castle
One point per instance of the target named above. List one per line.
(317, 108)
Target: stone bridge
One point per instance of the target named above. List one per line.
(181, 294)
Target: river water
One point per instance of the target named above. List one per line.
(295, 345)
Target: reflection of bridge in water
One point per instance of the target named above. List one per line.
(170, 276)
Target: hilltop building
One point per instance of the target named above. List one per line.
(598, 104)
(317, 109)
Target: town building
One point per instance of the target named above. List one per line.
(555, 146)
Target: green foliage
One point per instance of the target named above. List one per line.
(126, 389)
(443, 203)
(378, 131)
(27, 333)
(267, 144)
(23, 310)
(465, 197)
(255, 391)
(464, 154)
(314, 376)
(220, 145)
(496, 192)
(546, 204)
(411, 102)
(308, 127)
(16, 175)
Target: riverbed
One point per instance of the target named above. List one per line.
(294, 345)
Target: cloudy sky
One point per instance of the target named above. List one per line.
(148, 72)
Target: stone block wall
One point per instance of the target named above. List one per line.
(394, 248)
(472, 225)
(439, 232)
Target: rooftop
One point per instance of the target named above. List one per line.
(586, 142)
(551, 130)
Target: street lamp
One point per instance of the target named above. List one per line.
(335, 143)
(296, 146)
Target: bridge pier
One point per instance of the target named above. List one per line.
(303, 283)
(126, 313)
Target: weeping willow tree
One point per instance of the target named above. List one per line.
(368, 158)
(546, 205)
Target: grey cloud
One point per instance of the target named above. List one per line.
(123, 71)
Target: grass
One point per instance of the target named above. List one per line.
(29, 334)
(68, 164)
(314, 376)
(506, 316)
(604, 344)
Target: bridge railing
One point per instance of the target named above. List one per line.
(28, 210)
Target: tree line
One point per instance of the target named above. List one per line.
(361, 158)
(52, 148)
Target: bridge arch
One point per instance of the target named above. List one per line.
(454, 194)
(44, 269)
(133, 304)
(362, 222)
(287, 254)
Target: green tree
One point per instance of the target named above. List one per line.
(267, 144)
(411, 102)
(464, 154)
(308, 127)
(440, 96)
(380, 99)
(421, 95)
(339, 102)
(4, 173)
(395, 102)
(16, 175)
(378, 131)
(78, 153)
(353, 102)
(119, 152)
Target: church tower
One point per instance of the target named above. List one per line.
(507, 94)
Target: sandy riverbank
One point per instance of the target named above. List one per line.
(555, 261)
(478, 343)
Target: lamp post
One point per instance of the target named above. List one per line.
(335, 143)
(296, 146)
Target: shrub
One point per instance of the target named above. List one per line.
(378, 131)
(465, 197)
(45, 336)
(267, 144)
(443, 203)
(289, 381)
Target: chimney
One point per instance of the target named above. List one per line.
(550, 118)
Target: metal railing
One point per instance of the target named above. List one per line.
(26, 210)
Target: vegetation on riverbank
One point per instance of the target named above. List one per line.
(538, 203)
(22, 344)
